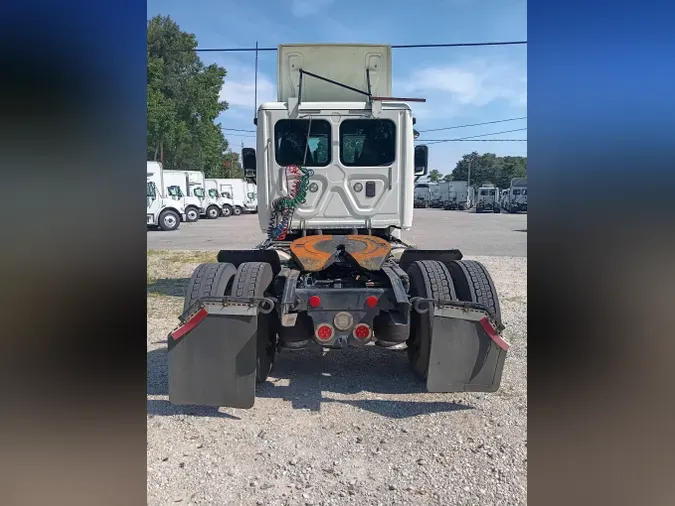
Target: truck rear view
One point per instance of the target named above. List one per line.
(335, 168)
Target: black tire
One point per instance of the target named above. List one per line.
(473, 283)
(252, 280)
(208, 280)
(191, 214)
(213, 212)
(238, 210)
(496, 210)
(227, 210)
(429, 279)
(169, 220)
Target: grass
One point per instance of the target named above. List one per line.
(169, 272)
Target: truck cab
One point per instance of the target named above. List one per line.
(176, 188)
(210, 205)
(517, 195)
(488, 199)
(160, 212)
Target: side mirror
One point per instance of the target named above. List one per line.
(421, 160)
(249, 164)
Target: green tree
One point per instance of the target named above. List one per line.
(447, 178)
(435, 176)
(183, 100)
(490, 168)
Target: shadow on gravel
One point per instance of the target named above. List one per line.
(172, 287)
(310, 375)
(520, 230)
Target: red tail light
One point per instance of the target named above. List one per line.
(314, 301)
(324, 332)
(371, 301)
(362, 331)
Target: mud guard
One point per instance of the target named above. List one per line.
(212, 356)
(467, 353)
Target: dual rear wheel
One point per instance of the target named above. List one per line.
(460, 280)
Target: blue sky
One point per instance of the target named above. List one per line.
(462, 85)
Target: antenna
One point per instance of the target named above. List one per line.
(255, 86)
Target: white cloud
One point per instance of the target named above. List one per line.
(477, 83)
(239, 88)
(303, 8)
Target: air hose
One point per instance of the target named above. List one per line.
(284, 207)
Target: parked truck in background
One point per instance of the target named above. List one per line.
(455, 195)
(224, 199)
(160, 211)
(210, 204)
(252, 196)
(236, 190)
(488, 199)
(176, 188)
(517, 196)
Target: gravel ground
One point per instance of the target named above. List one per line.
(348, 427)
(474, 234)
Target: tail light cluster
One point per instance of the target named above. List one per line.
(343, 322)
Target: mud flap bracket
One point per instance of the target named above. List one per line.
(212, 355)
(467, 353)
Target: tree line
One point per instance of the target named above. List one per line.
(183, 97)
(485, 169)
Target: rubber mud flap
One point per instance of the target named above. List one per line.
(214, 364)
(463, 358)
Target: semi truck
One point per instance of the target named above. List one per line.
(335, 168)
(454, 195)
(488, 199)
(160, 211)
(517, 196)
(176, 187)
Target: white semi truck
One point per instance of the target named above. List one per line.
(210, 203)
(160, 211)
(335, 166)
(517, 196)
(488, 199)
(454, 194)
(176, 186)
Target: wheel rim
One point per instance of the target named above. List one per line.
(213, 213)
(227, 211)
(192, 215)
(237, 211)
(170, 221)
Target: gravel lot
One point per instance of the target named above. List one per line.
(348, 427)
(474, 234)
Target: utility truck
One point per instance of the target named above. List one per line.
(517, 196)
(160, 211)
(488, 199)
(176, 187)
(335, 167)
(211, 206)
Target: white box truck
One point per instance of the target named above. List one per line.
(160, 211)
(176, 188)
(454, 195)
(238, 191)
(224, 201)
(211, 205)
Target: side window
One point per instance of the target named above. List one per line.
(151, 191)
(292, 146)
(367, 142)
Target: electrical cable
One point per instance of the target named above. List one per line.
(395, 46)
(472, 125)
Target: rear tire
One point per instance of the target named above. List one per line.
(252, 280)
(208, 280)
(429, 279)
(169, 220)
(473, 283)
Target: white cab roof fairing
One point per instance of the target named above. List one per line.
(344, 63)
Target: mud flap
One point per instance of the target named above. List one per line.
(212, 357)
(467, 353)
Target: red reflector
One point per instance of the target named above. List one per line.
(190, 324)
(362, 331)
(490, 330)
(324, 332)
(315, 301)
(371, 301)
